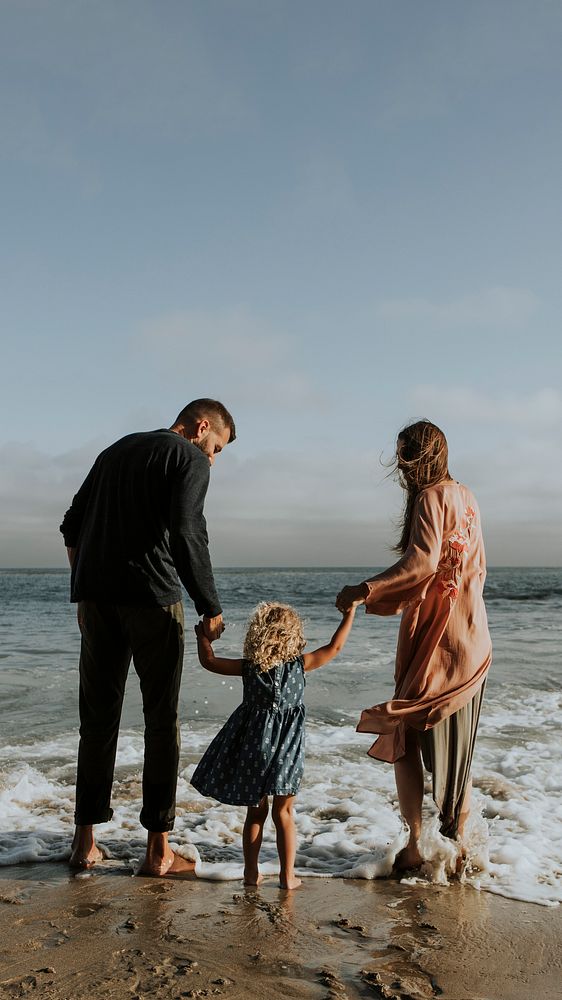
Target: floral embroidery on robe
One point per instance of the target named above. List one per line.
(450, 570)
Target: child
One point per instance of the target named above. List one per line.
(260, 749)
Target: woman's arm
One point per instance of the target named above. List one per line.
(407, 580)
(326, 653)
(216, 664)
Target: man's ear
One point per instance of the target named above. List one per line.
(201, 428)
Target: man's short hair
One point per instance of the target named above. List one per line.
(213, 410)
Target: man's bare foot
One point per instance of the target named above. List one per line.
(85, 861)
(170, 866)
(292, 882)
(161, 862)
(252, 878)
(408, 859)
(84, 852)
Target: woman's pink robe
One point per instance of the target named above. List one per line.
(444, 648)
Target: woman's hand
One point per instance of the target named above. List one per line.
(351, 597)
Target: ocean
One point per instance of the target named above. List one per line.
(347, 818)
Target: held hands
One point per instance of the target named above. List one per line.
(212, 628)
(351, 597)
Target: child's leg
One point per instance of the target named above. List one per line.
(251, 840)
(282, 813)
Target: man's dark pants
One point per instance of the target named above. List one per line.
(153, 637)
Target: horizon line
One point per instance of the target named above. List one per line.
(239, 566)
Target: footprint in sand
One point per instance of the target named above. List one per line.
(87, 910)
(346, 925)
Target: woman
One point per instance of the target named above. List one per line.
(444, 649)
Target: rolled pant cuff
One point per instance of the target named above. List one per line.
(157, 827)
(88, 821)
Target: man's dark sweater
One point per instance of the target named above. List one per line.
(137, 524)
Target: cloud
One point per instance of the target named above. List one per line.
(231, 333)
(508, 448)
(273, 508)
(301, 487)
(534, 411)
(248, 360)
(284, 508)
(35, 491)
(279, 541)
(503, 307)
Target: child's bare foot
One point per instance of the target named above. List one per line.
(290, 882)
(252, 878)
(408, 859)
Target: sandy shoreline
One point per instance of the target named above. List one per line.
(114, 935)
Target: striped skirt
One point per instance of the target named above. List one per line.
(447, 751)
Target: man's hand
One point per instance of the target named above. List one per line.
(213, 628)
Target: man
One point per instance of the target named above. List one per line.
(135, 529)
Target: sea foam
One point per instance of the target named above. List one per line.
(346, 811)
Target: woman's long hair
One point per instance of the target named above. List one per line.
(421, 459)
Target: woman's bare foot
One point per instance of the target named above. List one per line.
(84, 852)
(252, 878)
(408, 859)
(290, 882)
(462, 860)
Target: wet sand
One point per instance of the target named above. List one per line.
(112, 935)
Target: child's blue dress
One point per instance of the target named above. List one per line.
(260, 749)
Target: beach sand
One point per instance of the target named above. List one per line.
(109, 934)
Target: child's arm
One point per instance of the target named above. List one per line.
(326, 653)
(216, 664)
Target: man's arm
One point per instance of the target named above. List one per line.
(189, 543)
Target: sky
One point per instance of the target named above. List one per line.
(336, 218)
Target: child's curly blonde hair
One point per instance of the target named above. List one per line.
(275, 634)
